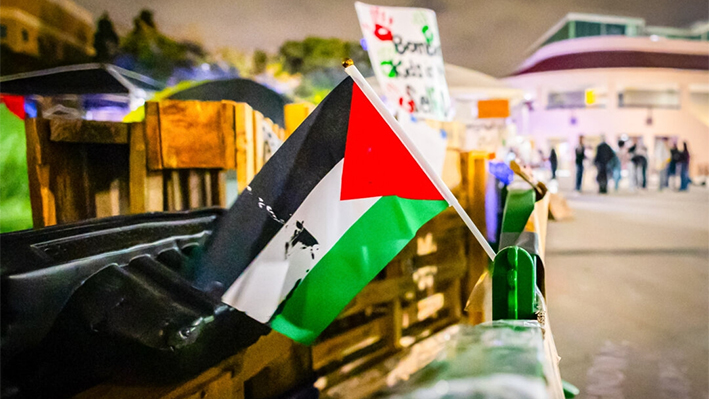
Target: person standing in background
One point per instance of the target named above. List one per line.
(614, 167)
(672, 166)
(604, 155)
(683, 165)
(639, 159)
(553, 163)
(662, 160)
(625, 163)
(580, 157)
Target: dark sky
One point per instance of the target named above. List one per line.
(488, 35)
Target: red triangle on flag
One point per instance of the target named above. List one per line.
(16, 104)
(376, 162)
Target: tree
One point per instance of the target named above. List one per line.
(105, 40)
(319, 60)
(260, 62)
(154, 54)
(237, 59)
(146, 17)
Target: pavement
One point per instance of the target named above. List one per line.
(628, 293)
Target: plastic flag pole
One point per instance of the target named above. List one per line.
(409, 144)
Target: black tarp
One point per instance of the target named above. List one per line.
(111, 298)
(259, 97)
(77, 79)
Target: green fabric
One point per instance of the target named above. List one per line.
(518, 208)
(15, 208)
(359, 255)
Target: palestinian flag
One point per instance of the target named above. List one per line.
(339, 199)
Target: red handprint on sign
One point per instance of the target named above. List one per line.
(382, 24)
(407, 102)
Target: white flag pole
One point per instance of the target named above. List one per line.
(430, 172)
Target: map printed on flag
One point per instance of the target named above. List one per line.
(405, 49)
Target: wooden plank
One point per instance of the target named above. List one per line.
(222, 387)
(196, 190)
(396, 326)
(473, 166)
(83, 131)
(294, 115)
(191, 134)
(245, 162)
(60, 189)
(455, 299)
(138, 168)
(145, 186)
(70, 183)
(218, 188)
(208, 195)
(108, 201)
(238, 368)
(174, 191)
(41, 197)
(351, 370)
(229, 132)
(451, 170)
(109, 175)
(258, 141)
(155, 191)
(152, 135)
(387, 290)
(338, 347)
(292, 368)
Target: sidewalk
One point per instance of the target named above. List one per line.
(628, 293)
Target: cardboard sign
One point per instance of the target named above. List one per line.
(493, 109)
(405, 50)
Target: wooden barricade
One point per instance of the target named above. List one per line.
(178, 158)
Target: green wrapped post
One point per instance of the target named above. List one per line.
(513, 285)
(514, 269)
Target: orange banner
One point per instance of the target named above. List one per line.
(493, 109)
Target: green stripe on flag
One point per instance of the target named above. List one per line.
(357, 257)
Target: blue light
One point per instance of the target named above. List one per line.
(363, 43)
(30, 109)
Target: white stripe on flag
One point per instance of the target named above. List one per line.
(275, 271)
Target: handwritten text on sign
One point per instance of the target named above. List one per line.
(405, 50)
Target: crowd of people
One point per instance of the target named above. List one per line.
(671, 163)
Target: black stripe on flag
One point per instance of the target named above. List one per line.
(277, 191)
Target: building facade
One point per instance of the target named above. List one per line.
(44, 33)
(617, 79)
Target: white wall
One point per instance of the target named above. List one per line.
(686, 122)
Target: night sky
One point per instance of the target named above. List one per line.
(491, 36)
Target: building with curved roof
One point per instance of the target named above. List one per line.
(614, 77)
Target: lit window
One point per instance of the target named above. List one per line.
(648, 98)
(615, 30)
(569, 99)
(3, 31)
(25, 35)
(588, 98)
(584, 29)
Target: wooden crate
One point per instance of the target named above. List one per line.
(176, 159)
